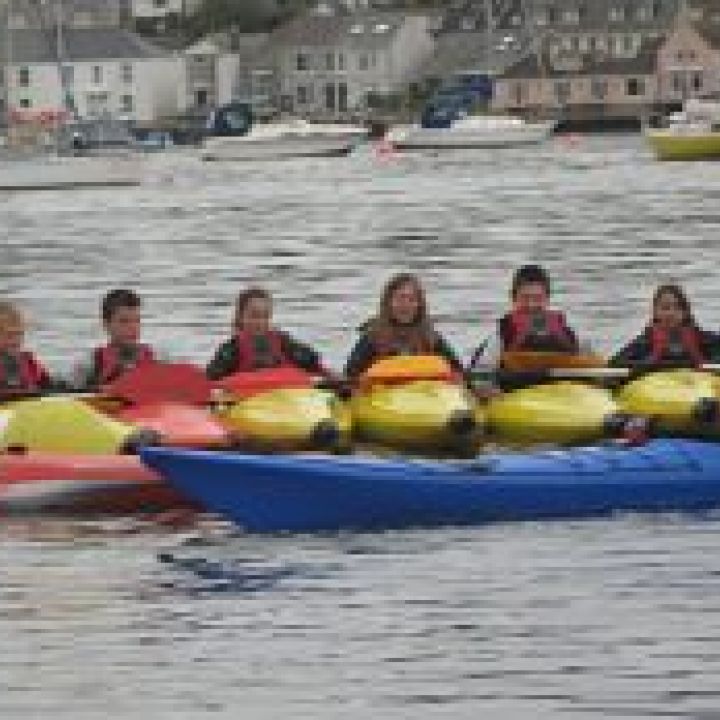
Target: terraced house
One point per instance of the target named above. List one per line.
(88, 60)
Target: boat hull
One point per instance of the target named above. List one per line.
(416, 138)
(40, 483)
(676, 146)
(306, 494)
(248, 148)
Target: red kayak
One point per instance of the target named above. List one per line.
(113, 484)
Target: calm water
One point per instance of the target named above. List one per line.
(614, 618)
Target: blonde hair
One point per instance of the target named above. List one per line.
(10, 315)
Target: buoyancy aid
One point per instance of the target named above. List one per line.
(543, 331)
(681, 345)
(256, 351)
(402, 341)
(22, 372)
(109, 361)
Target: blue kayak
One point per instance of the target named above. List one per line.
(269, 493)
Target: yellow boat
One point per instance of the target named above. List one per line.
(416, 403)
(289, 419)
(678, 401)
(671, 145)
(62, 425)
(693, 134)
(559, 413)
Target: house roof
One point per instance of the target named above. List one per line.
(359, 29)
(533, 66)
(35, 46)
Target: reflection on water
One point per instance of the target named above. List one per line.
(608, 618)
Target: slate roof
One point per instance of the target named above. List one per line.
(591, 64)
(359, 29)
(35, 46)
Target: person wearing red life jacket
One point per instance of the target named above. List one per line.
(120, 311)
(402, 326)
(672, 339)
(257, 345)
(531, 325)
(20, 370)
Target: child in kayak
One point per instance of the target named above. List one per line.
(530, 325)
(256, 345)
(401, 327)
(672, 338)
(121, 319)
(20, 370)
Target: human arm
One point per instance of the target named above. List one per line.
(224, 362)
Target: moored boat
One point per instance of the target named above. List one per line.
(307, 494)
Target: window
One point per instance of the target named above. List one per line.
(97, 74)
(2, 76)
(67, 75)
(571, 16)
(518, 93)
(617, 13)
(341, 61)
(25, 103)
(635, 87)
(24, 77)
(562, 91)
(302, 61)
(127, 104)
(598, 88)
(330, 96)
(330, 61)
(342, 97)
(302, 95)
(201, 98)
(159, 4)
(126, 72)
(697, 81)
(678, 84)
(628, 43)
(363, 62)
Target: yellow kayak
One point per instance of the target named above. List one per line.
(678, 401)
(289, 419)
(415, 403)
(561, 413)
(62, 425)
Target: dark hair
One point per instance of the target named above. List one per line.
(529, 274)
(116, 299)
(244, 299)
(682, 300)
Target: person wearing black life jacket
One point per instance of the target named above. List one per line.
(120, 311)
(257, 345)
(401, 327)
(531, 325)
(672, 339)
(20, 370)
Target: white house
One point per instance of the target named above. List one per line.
(329, 64)
(105, 71)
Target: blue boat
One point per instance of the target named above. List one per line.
(271, 493)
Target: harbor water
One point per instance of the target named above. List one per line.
(614, 618)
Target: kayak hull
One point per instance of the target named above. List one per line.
(563, 413)
(424, 415)
(39, 483)
(322, 493)
(672, 399)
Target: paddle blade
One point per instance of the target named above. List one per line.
(530, 361)
(158, 382)
(247, 384)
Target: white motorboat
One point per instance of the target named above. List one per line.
(472, 131)
(235, 136)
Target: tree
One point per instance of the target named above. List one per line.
(245, 15)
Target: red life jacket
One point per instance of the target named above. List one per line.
(108, 366)
(388, 342)
(519, 332)
(31, 374)
(690, 345)
(248, 358)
